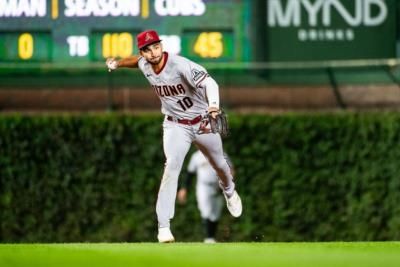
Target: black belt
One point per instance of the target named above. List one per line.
(186, 121)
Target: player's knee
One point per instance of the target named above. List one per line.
(173, 164)
(169, 180)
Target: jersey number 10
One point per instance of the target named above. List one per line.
(185, 103)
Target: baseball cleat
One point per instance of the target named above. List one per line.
(165, 235)
(210, 240)
(234, 204)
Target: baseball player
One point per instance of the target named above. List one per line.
(209, 199)
(187, 93)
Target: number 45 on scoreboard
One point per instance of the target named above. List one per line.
(209, 45)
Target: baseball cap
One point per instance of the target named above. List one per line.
(147, 38)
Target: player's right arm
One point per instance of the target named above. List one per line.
(128, 62)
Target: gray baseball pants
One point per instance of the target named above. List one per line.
(177, 139)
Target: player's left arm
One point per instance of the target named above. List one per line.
(198, 77)
(212, 93)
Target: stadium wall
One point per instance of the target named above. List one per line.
(40, 83)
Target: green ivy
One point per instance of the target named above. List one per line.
(302, 177)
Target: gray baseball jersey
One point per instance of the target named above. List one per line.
(178, 85)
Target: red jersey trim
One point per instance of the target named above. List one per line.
(165, 63)
(202, 79)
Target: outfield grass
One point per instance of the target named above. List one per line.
(360, 254)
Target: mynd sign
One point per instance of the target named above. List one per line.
(319, 12)
(331, 29)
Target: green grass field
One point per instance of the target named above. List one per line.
(362, 254)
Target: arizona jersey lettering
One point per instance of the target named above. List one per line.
(178, 86)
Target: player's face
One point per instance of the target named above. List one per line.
(152, 53)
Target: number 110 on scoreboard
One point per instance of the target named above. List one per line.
(40, 47)
(112, 44)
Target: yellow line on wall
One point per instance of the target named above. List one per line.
(145, 9)
(54, 9)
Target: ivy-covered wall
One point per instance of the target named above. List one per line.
(70, 178)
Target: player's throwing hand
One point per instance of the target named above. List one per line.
(112, 64)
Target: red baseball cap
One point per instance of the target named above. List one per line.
(147, 38)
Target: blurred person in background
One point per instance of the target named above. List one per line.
(208, 196)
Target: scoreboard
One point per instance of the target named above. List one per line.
(88, 31)
(79, 31)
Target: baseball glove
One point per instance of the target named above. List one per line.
(219, 124)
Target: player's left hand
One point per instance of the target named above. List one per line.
(218, 121)
(213, 111)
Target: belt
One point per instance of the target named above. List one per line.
(186, 121)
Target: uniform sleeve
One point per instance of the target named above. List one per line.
(141, 63)
(194, 73)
